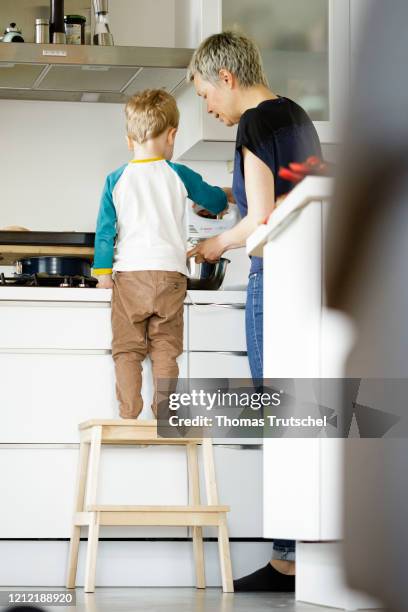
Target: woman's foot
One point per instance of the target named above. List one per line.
(277, 577)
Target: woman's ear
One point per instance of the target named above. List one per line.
(226, 77)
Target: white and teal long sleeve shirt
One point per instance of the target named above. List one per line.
(142, 223)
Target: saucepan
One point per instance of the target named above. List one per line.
(206, 276)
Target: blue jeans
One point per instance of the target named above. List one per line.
(282, 549)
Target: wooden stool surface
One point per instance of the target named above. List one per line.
(130, 431)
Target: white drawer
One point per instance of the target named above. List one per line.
(55, 327)
(58, 326)
(239, 480)
(217, 327)
(45, 397)
(219, 365)
(38, 488)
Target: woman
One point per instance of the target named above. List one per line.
(273, 131)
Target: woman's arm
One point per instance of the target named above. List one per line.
(260, 193)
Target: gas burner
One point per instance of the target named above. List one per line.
(51, 272)
(45, 280)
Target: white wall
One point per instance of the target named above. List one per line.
(53, 162)
(55, 157)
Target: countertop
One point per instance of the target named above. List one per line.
(59, 294)
(311, 189)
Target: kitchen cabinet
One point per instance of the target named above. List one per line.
(217, 327)
(304, 340)
(55, 326)
(306, 54)
(243, 495)
(125, 564)
(218, 365)
(38, 488)
(56, 370)
(45, 396)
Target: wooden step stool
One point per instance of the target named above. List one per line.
(87, 512)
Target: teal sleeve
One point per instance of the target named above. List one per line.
(209, 197)
(106, 227)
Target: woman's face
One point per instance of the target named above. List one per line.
(220, 99)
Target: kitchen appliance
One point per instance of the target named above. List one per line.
(102, 35)
(88, 73)
(51, 272)
(57, 26)
(206, 276)
(12, 34)
(201, 225)
(42, 239)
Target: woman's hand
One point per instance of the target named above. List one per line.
(229, 194)
(207, 250)
(105, 281)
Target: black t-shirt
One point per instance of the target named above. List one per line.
(278, 132)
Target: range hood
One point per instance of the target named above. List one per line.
(82, 73)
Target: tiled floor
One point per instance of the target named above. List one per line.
(179, 600)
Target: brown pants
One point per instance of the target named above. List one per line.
(147, 318)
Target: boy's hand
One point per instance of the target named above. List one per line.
(105, 281)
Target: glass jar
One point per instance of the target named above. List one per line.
(75, 29)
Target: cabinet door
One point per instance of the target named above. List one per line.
(219, 365)
(306, 51)
(293, 297)
(52, 326)
(304, 46)
(38, 488)
(45, 397)
(310, 480)
(217, 327)
(223, 365)
(239, 482)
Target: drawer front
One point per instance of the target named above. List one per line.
(38, 488)
(217, 328)
(239, 480)
(45, 397)
(219, 365)
(58, 327)
(53, 327)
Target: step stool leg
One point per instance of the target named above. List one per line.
(91, 495)
(194, 495)
(90, 566)
(212, 499)
(225, 557)
(78, 507)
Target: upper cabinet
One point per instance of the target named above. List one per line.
(305, 48)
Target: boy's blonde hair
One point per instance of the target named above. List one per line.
(149, 113)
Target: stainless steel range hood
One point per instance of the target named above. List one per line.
(84, 73)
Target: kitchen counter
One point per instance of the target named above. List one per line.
(59, 294)
(304, 340)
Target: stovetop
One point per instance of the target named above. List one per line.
(47, 280)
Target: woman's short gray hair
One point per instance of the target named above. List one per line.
(230, 51)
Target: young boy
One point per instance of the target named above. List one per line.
(143, 205)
